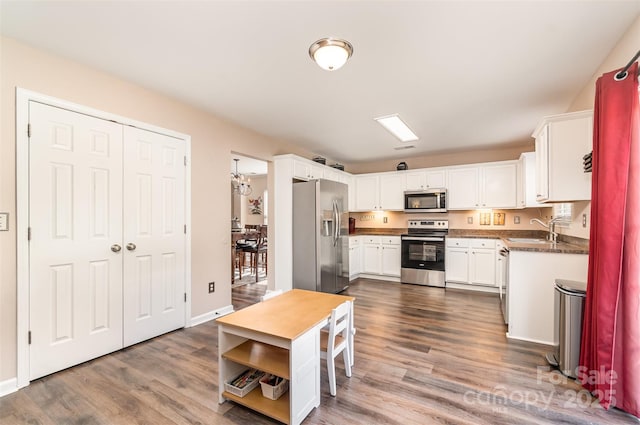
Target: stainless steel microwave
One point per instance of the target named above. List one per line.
(426, 201)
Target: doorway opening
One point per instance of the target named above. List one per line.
(249, 220)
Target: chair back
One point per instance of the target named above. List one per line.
(262, 237)
(338, 326)
(271, 294)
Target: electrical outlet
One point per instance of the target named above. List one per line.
(516, 219)
(4, 222)
(212, 287)
(469, 220)
(385, 219)
(584, 220)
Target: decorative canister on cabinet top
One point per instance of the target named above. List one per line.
(402, 166)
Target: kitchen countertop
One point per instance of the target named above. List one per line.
(565, 244)
(378, 231)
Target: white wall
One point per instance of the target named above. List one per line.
(258, 186)
(212, 141)
(617, 58)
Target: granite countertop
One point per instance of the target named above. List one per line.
(565, 244)
(379, 231)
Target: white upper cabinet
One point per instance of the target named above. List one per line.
(463, 188)
(304, 170)
(498, 185)
(366, 192)
(391, 191)
(561, 142)
(425, 179)
(527, 181)
(416, 180)
(351, 182)
(376, 192)
(491, 185)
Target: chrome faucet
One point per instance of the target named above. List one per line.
(551, 225)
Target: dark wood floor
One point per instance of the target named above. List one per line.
(423, 356)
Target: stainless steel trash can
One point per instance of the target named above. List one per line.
(569, 303)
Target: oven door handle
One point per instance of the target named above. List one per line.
(422, 238)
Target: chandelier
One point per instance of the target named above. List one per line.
(240, 186)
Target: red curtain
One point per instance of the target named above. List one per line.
(610, 351)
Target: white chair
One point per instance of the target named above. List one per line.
(271, 294)
(336, 341)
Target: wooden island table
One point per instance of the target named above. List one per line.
(280, 336)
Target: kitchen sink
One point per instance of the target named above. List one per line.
(527, 240)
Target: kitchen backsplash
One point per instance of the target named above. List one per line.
(457, 219)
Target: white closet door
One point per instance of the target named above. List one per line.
(154, 238)
(75, 206)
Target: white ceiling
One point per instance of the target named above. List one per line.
(462, 74)
(248, 166)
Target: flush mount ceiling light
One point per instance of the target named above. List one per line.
(330, 53)
(397, 127)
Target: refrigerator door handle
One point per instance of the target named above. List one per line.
(336, 223)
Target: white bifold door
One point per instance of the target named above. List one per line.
(107, 247)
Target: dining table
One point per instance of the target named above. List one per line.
(279, 336)
(239, 235)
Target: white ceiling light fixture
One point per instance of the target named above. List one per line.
(240, 187)
(397, 127)
(330, 53)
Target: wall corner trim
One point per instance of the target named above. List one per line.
(211, 315)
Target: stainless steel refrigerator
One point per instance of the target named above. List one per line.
(320, 236)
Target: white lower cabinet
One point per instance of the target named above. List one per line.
(471, 261)
(457, 260)
(391, 256)
(482, 262)
(381, 256)
(371, 255)
(355, 257)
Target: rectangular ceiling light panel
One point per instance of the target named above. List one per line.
(397, 127)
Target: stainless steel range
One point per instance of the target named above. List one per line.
(423, 252)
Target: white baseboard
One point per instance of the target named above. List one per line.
(9, 386)
(477, 288)
(376, 277)
(536, 341)
(211, 315)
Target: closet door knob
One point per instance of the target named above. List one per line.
(116, 248)
(131, 246)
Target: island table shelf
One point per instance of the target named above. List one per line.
(280, 336)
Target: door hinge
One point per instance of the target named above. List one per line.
(28, 130)
(185, 297)
(185, 229)
(185, 160)
(29, 337)
(28, 233)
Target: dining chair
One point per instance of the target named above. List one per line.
(271, 294)
(257, 250)
(336, 341)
